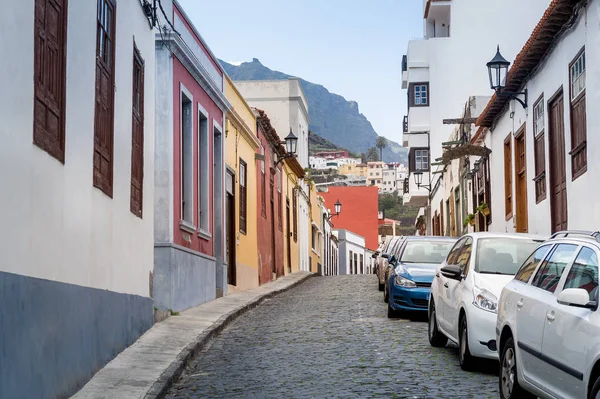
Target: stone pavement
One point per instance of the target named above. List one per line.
(147, 368)
(329, 338)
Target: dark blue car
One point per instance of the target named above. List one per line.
(412, 270)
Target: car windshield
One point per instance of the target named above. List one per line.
(503, 255)
(422, 251)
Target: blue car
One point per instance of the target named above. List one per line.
(412, 270)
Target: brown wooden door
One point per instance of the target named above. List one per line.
(288, 236)
(230, 233)
(521, 182)
(558, 175)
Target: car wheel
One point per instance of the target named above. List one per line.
(436, 337)
(595, 392)
(508, 381)
(381, 286)
(464, 354)
(386, 295)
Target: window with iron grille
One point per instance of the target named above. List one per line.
(137, 135)
(50, 65)
(105, 96)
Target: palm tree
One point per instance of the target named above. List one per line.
(381, 143)
(372, 155)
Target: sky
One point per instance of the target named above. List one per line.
(352, 47)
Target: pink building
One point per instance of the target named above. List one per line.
(189, 266)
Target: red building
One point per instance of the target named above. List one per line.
(360, 211)
(189, 265)
(332, 154)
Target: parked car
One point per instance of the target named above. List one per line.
(382, 261)
(412, 270)
(466, 288)
(548, 325)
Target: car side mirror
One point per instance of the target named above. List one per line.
(577, 297)
(452, 272)
(392, 260)
(374, 256)
(386, 256)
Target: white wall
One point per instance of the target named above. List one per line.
(57, 225)
(548, 80)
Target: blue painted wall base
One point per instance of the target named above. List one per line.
(55, 336)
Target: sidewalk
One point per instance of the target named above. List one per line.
(148, 367)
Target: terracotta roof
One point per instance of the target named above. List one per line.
(556, 16)
(265, 124)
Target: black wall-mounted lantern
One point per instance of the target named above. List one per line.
(338, 208)
(498, 71)
(291, 143)
(419, 181)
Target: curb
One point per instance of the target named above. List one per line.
(190, 352)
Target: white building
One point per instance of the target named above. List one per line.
(78, 190)
(542, 175)
(439, 80)
(352, 252)
(330, 162)
(285, 103)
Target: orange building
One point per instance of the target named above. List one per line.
(360, 211)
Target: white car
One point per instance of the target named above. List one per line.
(548, 327)
(466, 288)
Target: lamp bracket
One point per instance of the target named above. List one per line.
(283, 158)
(514, 96)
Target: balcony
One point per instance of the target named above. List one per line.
(406, 186)
(405, 124)
(437, 18)
(404, 71)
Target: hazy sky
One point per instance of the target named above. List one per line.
(352, 47)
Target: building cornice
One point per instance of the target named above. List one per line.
(177, 46)
(243, 128)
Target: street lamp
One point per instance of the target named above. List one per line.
(338, 208)
(498, 71)
(291, 142)
(419, 181)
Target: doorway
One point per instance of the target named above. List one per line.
(230, 230)
(288, 235)
(521, 181)
(558, 175)
(272, 213)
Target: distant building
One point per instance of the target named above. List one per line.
(321, 163)
(352, 252)
(359, 169)
(333, 154)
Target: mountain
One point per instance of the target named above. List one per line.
(318, 143)
(332, 116)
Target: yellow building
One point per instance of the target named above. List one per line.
(291, 176)
(357, 170)
(241, 146)
(316, 231)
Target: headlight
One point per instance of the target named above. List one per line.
(400, 270)
(404, 282)
(485, 300)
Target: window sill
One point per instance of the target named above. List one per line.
(187, 226)
(204, 234)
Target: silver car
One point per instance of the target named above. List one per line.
(382, 261)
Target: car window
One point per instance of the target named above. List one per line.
(464, 255)
(423, 251)
(502, 255)
(548, 275)
(584, 273)
(524, 274)
(453, 255)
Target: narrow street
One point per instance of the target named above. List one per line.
(329, 337)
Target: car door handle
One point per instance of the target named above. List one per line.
(446, 285)
(550, 317)
(437, 275)
(520, 304)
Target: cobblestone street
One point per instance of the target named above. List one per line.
(329, 337)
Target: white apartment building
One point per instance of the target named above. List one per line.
(439, 80)
(352, 252)
(285, 104)
(542, 174)
(321, 163)
(375, 173)
(78, 190)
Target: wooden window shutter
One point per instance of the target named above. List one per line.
(508, 171)
(295, 213)
(243, 192)
(50, 64)
(411, 160)
(105, 97)
(137, 135)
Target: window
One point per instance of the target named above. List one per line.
(362, 262)
(421, 251)
(295, 214)
(539, 150)
(418, 159)
(418, 94)
(263, 184)
(203, 171)
(105, 97)
(578, 116)
(584, 273)
(243, 196)
(50, 65)
(355, 263)
(280, 199)
(453, 254)
(315, 236)
(464, 256)
(351, 271)
(548, 275)
(187, 157)
(137, 135)
(508, 176)
(503, 255)
(529, 266)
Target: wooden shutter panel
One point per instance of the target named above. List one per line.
(411, 160)
(243, 193)
(50, 53)
(105, 97)
(137, 135)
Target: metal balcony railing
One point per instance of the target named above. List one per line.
(406, 186)
(405, 124)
